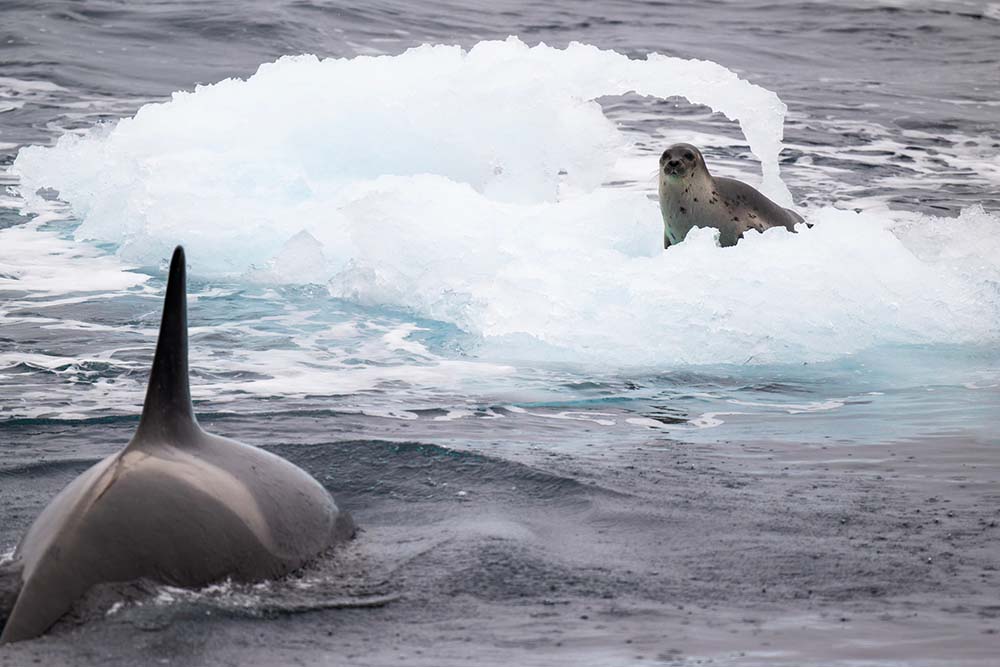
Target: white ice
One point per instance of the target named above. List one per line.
(466, 186)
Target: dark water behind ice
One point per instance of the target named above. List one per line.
(914, 84)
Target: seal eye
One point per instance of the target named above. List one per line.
(663, 158)
(689, 155)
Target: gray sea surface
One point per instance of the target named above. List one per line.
(532, 489)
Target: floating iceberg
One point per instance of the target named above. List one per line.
(466, 186)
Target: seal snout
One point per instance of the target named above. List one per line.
(673, 168)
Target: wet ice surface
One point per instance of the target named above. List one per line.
(782, 453)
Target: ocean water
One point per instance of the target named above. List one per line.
(438, 221)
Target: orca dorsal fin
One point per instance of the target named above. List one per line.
(167, 414)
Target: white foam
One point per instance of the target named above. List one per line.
(454, 414)
(647, 422)
(465, 186)
(712, 419)
(599, 418)
(42, 263)
(796, 408)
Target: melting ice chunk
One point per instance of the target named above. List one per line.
(465, 186)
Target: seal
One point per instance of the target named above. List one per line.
(177, 505)
(691, 197)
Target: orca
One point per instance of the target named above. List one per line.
(177, 505)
